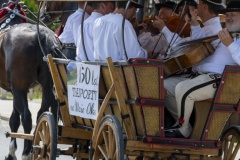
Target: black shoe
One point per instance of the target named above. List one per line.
(174, 134)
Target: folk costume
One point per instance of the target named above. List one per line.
(184, 90)
(158, 43)
(88, 38)
(107, 33)
(70, 33)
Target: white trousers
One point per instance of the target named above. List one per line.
(182, 92)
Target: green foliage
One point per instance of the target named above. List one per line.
(33, 7)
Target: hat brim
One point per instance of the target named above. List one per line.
(136, 5)
(229, 10)
(159, 6)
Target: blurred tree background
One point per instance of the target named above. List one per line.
(33, 7)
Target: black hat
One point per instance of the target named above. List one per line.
(136, 4)
(217, 3)
(188, 2)
(168, 4)
(232, 6)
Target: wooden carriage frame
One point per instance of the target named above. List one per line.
(130, 121)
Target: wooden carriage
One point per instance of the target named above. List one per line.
(130, 122)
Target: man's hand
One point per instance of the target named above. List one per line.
(158, 23)
(225, 37)
(193, 21)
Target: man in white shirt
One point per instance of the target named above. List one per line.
(100, 9)
(69, 35)
(107, 35)
(232, 13)
(184, 90)
(156, 43)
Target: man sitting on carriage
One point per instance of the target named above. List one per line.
(107, 33)
(100, 8)
(184, 90)
(69, 35)
(233, 25)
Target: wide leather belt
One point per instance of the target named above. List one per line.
(69, 45)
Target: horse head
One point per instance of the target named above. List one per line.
(53, 10)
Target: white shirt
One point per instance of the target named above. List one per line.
(70, 30)
(107, 33)
(88, 38)
(157, 43)
(234, 49)
(216, 62)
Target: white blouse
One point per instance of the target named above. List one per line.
(107, 39)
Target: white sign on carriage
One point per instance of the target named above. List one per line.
(83, 89)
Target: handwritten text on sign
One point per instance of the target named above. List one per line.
(83, 80)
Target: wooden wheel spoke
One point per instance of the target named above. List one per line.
(41, 136)
(47, 135)
(107, 146)
(49, 147)
(231, 146)
(113, 149)
(106, 140)
(44, 128)
(236, 149)
(48, 155)
(103, 151)
(115, 154)
(110, 137)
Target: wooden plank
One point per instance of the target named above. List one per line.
(201, 109)
(128, 123)
(59, 91)
(148, 147)
(21, 136)
(76, 133)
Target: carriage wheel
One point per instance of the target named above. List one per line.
(109, 143)
(45, 138)
(230, 143)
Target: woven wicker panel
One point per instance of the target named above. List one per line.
(218, 122)
(151, 118)
(131, 82)
(231, 89)
(148, 82)
(138, 119)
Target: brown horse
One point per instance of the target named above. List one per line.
(22, 67)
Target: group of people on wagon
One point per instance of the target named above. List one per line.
(102, 31)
